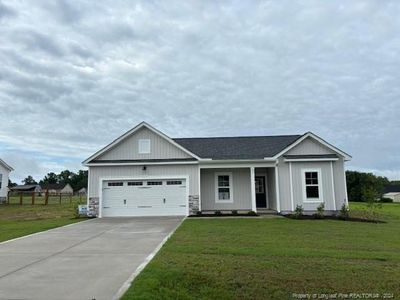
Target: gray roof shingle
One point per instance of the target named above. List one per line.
(392, 189)
(250, 147)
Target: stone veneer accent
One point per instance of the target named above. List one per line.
(193, 204)
(93, 207)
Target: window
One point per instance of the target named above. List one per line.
(144, 146)
(135, 183)
(174, 182)
(154, 182)
(311, 186)
(115, 184)
(223, 188)
(259, 185)
(1, 180)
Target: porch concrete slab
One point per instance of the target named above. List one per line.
(88, 260)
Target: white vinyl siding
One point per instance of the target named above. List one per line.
(310, 146)
(129, 148)
(240, 189)
(137, 172)
(326, 191)
(271, 188)
(4, 181)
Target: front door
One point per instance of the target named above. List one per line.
(261, 200)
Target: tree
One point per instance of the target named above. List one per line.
(11, 184)
(76, 180)
(365, 187)
(65, 176)
(29, 180)
(50, 178)
(79, 180)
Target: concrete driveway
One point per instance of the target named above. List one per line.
(88, 260)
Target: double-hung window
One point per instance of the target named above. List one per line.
(312, 190)
(223, 188)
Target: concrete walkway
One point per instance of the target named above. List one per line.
(88, 260)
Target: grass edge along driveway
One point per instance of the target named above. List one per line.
(17, 221)
(259, 258)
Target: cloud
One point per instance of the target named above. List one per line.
(5, 11)
(77, 74)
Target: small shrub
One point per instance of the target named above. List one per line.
(386, 200)
(218, 213)
(320, 211)
(372, 210)
(344, 212)
(234, 212)
(252, 213)
(198, 213)
(298, 212)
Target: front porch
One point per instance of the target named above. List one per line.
(238, 188)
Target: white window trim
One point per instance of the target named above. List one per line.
(320, 190)
(144, 146)
(217, 200)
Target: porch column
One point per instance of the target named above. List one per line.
(253, 189)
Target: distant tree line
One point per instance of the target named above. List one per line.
(366, 187)
(77, 180)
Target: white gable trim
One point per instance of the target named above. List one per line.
(131, 132)
(5, 165)
(318, 139)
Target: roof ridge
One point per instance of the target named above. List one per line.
(243, 136)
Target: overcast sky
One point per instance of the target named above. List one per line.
(74, 75)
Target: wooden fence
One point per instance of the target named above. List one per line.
(43, 198)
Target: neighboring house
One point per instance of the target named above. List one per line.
(82, 192)
(26, 188)
(5, 170)
(146, 173)
(392, 192)
(57, 188)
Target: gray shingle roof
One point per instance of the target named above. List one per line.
(53, 186)
(392, 189)
(26, 187)
(250, 147)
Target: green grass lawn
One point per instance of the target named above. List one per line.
(19, 220)
(271, 258)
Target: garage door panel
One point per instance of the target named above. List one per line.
(142, 199)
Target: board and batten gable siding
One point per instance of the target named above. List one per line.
(309, 146)
(4, 181)
(131, 172)
(241, 189)
(128, 149)
(331, 191)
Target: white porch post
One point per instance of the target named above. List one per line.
(278, 198)
(199, 181)
(253, 189)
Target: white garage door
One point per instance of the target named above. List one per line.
(165, 197)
